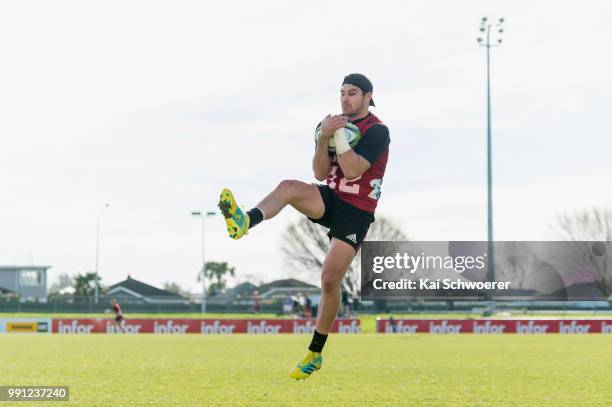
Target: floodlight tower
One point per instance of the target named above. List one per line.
(490, 37)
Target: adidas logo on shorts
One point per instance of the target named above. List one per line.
(352, 238)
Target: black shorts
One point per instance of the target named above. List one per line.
(119, 318)
(345, 221)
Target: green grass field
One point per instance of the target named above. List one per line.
(370, 369)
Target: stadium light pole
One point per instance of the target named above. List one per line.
(203, 215)
(490, 37)
(97, 284)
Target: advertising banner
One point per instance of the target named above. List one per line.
(494, 326)
(25, 325)
(199, 326)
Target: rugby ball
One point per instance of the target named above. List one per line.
(353, 135)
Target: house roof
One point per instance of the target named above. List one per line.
(244, 291)
(11, 268)
(580, 291)
(141, 288)
(287, 283)
(243, 288)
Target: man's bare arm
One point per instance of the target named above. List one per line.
(352, 164)
(321, 162)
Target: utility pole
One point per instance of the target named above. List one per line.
(203, 215)
(97, 284)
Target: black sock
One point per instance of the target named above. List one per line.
(318, 341)
(255, 216)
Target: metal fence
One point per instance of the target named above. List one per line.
(83, 304)
(76, 304)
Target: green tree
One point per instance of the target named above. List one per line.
(583, 228)
(85, 285)
(62, 281)
(305, 245)
(175, 288)
(216, 273)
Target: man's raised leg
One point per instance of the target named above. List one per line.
(302, 196)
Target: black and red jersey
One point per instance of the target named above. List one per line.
(364, 191)
(117, 308)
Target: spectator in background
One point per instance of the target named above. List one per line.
(355, 304)
(302, 303)
(307, 306)
(346, 306)
(287, 305)
(256, 302)
(392, 323)
(296, 306)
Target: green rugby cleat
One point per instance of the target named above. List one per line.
(311, 362)
(236, 220)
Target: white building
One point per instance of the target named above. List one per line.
(29, 282)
